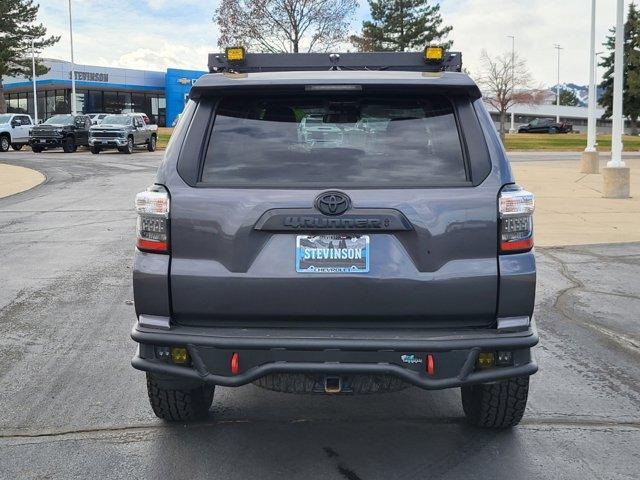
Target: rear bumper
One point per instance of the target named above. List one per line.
(345, 352)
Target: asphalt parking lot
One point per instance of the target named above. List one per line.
(72, 407)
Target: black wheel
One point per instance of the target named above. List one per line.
(5, 143)
(35, 149)
(128, 148)
(151, 144)
(496, 405)
(553, 130)
(17, 146)
(69, 145)
(177, 405)
(95, 150)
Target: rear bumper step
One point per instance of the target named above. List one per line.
(403, 355)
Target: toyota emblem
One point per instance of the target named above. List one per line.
(333, 203)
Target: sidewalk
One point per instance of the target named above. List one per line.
(570, 209)
(17, 179)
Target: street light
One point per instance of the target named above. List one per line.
(33, 79)
(73, 65)
(558, 48)
(513, 76)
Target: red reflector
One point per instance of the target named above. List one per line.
(235, 364)
(431, 368)
(152, 246)
(526, 244)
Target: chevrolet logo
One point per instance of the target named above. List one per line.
(184, 81)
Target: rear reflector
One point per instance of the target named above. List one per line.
(431, 367)
(515, 207)
(235, 364)
(152, 206)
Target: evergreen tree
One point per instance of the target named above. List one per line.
(17, 28)
(631, 77)
(399, 25)
(568, 97)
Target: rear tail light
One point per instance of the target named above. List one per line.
(152, 206)
(516, 207)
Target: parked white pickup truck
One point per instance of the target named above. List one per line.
(14, 131)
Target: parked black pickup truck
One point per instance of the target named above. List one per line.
(66, 131)
(545, 125)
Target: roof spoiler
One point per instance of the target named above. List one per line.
(287, 62)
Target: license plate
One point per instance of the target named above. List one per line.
(332, 253)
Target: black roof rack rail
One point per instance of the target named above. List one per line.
(287, 62)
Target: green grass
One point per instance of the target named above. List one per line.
(569, 142)
(164, 134)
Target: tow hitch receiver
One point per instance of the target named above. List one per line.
(332, 384)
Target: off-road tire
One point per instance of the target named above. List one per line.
(5, 143)
(17, 146)
(128, 149)
(69, 145)
(35, 149)
(95, 150)
(151, 144)
(177, 405)
(496, 405)
(553, 130)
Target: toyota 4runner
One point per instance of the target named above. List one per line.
(343, 223)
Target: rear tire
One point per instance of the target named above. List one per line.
(36, 149)
(95, 150)
(17, 146)
(151, 144)
(69, 145)
(496, 405)
(179, 405)
(553, 130)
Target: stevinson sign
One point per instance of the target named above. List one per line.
(90, 76)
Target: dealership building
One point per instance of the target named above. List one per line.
(161, 95)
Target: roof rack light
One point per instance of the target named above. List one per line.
(432, 59)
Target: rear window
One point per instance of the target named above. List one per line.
(344, 141)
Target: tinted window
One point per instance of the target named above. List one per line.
(323, 142)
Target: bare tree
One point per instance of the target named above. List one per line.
(275, 26)
(505, 81)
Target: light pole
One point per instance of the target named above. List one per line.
(558, 48)
(33, 79)
(513, 77)
(616, 175)
(73, 65)
(590, 161)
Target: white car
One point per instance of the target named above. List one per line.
(14, 130)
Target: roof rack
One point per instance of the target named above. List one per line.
(286, 62)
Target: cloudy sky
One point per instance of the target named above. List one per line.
(156, 34)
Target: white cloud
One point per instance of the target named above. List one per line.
(159, 33)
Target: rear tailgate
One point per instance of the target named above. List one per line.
(419, 193)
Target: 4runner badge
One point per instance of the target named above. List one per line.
(410, 359)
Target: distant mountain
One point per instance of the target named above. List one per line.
(580, 91)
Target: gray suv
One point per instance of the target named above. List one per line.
(285, 244)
